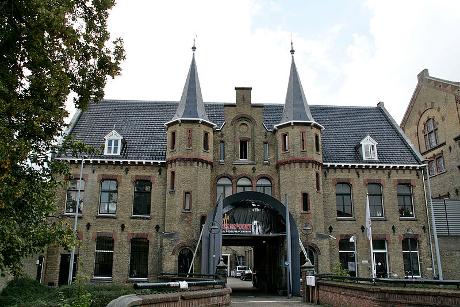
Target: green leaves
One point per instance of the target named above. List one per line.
(48, 49)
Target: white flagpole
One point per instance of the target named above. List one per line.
(369, 234)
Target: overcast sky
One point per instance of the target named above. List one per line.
(347, 52)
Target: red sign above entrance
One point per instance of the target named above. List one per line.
(236, 228)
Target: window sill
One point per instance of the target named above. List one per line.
(437, 174)
(221, 162)
(141, 217)
(106, 216)
(345, 219)
(101, 279)
(266, 162)
(407, 218)
(172, 191)
(433, 148)
(378, 218)
(206, 150)
(305, 212)
(186, 211)
(137, 279)
(243, 162)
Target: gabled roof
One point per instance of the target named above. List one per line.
(295, 107)
(141, 123)
(191, 104)
(425, 78)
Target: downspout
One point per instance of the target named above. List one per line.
(435, 234)
(429, 224)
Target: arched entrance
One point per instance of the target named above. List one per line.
(257, 220)
(184, 260)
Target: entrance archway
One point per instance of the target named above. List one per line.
(257, 220)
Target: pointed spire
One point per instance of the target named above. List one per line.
(191, 105)
(296, 106)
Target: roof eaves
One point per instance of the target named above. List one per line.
(292, 122)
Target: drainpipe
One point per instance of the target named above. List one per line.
(429, 224)
(435, 234)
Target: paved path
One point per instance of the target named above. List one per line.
(243, 294)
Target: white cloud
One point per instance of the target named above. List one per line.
(378, 63)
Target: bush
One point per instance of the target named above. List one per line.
(21, 290)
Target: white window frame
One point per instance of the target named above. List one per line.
(411, 252)
(110, 139)
(369, 148)
(80, 184)
(374, 251)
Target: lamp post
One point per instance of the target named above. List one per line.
(353, 240)
(72, 253)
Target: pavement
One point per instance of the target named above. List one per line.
(244, 294)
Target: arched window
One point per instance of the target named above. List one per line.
(243, 184)
(224, 188)
(430, 133)
(264, 185)
(343, 200)
(184, 261)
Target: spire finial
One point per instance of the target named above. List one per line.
(292, 46)
(194, 47)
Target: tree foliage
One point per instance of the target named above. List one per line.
(49, 49)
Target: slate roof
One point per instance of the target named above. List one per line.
(141, 123)
(295, 106)
(191, 104)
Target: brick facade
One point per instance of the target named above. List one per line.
(170, 228)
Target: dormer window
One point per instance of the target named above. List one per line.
(369, 148)
(113, 143)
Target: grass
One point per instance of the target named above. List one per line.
(24, 292)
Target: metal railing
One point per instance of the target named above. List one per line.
(390, 281)
(181, 284)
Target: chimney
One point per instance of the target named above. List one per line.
(243, 96)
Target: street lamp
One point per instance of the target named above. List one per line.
(72, 253)
(353, 240)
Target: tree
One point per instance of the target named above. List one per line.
(49, 49)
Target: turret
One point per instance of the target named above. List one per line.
(300, 158)
(189, 163)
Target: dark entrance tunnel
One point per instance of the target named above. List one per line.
(258, 220)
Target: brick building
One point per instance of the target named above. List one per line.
(432, 122)
(165, 165)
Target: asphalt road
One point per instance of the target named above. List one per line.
(243, 294)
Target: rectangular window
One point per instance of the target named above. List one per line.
(410, 258)
(440, 164)
(142, 197)
(318, 182)
(380, 258)
(305, 202)
(173, 140)
(189, 138)
(347, 256)
(103, 261)
(266, 154)
(187, 201)
(72, 194)
(432, 167)
(343, 200)
(221, 151)
(206, 141)
(109, 197)
(139, 258)
(285, 141)
(303, 141)
(172, 182)
(374, 194)
(243, 150)
(405, 205)
(317, 143)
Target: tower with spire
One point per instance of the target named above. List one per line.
(300, 155)
(189, 155)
